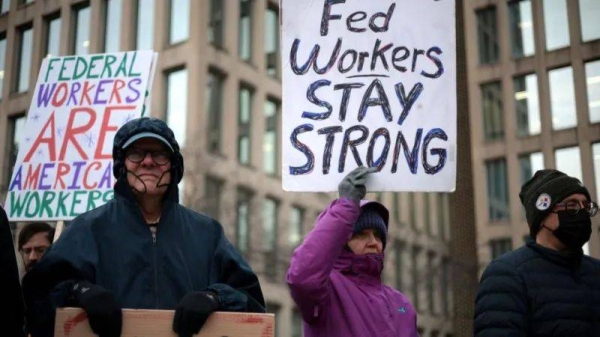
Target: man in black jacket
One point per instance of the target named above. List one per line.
(142, 249)
(547, 287)
(12, 317)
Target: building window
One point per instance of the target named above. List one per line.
(442, 200)
(81, 45)
(399, 270)
(412, 210)
(521, 28)
(429, 282)
(272, 40)
(270, 140)
(244, 125)
(52, 47)
(500, 246)
(269, 237)
(562, 98)
(212, 196)
(296, 323)
(242, 224)
(145, 25)
(427, 213)
(112, 36)
(216, 24)
(396, 208)
(446, 287)
(25, 41)
(24, 2)
(589, 11)
(493, 118)
(296, 228)
(556, 24)
(16, 126)
(245, 30)
(177, 83)
(5, 6)
(497, 183)
(568, 160)
(592, 73)
(530, 164)
(213, 99)
(596, 161)
(2, 62)
(487, 34)
(180, 21)
(527, 105)
(416, 277)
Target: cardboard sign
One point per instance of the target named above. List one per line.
(64, 164)
(369, 83)
(72, 322)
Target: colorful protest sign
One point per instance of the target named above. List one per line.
(369, 83)
(64, 164)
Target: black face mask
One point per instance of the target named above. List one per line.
(573, 230)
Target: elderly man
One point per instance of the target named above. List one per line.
(34, 239)
(142, 249)
(548, 287)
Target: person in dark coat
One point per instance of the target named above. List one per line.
(12, 319)
(142, 249)
(548, 287)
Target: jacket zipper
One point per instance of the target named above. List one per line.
(153, 231)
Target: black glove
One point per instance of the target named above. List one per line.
(193, 311)
(100, 305)
(353, 184)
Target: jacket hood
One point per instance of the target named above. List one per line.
(145, 125)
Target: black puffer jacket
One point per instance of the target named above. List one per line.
(534, 291)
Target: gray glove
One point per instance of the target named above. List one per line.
(353, 184)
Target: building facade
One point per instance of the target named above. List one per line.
(534, 101)
(218, 85)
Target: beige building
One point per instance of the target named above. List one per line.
(218, 86)
(534, 101)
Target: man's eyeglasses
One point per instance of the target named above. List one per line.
(39, 250)
(138, 155)
(573, 207)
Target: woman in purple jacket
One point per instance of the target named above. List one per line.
(335, 275)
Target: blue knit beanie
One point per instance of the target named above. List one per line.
(370, 218)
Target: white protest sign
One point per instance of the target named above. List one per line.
(64, 164)
(369, 83)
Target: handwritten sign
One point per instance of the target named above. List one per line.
(64, 164)
(369, 83)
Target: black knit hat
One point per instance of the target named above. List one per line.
(370, 218)
(544, 190)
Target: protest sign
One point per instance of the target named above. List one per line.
(72, 322)
(369, 83)
(64, 164)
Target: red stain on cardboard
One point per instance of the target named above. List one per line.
(72, 322)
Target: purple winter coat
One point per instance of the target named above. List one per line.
(339, 293)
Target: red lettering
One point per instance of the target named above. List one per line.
(56, 102)
(63, 169)
(119, 84)
(105, 128)
(50, 141)
(87, 172)
(85, 93)
(71, 131)
(33, 177)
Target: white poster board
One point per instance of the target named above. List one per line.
(64, 164)
(369, 83)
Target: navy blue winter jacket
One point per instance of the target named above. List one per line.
(535, 291)
(112, 246)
